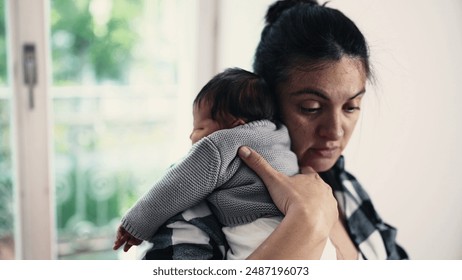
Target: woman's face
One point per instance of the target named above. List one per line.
(320, 109)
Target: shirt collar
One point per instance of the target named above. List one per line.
(340, 164)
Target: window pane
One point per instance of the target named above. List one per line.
(6, 185)
(118, 67)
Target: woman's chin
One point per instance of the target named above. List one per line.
(319, 164)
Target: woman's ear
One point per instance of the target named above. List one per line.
(237, 122)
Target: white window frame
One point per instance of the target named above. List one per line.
(35, 230)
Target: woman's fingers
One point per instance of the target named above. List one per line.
(276, 182)
(258, 164)
(305, 192)
(264, 170)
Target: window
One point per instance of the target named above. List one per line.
(6, 172)
(118, 100)
(119, 74)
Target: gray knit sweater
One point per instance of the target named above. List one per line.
(213, 171)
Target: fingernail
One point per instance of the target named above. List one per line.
(244, 152)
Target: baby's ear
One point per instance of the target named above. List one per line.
(237, 122)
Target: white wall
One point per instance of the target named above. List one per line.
(406, 150)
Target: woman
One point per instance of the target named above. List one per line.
(316, 62)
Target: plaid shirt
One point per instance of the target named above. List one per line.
(195, 234)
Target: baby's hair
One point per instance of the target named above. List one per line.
(238, 93)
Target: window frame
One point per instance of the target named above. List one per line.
(31, 133)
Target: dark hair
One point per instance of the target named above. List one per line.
(302, 30)
(238, 93)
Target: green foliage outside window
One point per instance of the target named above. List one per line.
(97, 42)
(92, 43)
(92, 40)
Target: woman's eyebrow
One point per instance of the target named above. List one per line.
(308, 91)
(363, 91)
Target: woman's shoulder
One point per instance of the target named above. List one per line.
(375, 238)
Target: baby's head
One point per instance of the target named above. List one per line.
(231, 98)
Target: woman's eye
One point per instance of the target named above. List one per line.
(310, 107)
(310, 110)
(352, 109)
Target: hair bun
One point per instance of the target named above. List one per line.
(276, 9)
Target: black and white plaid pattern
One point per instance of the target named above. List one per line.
(196, 234)
(374, 239)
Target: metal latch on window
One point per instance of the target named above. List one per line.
(30, 71)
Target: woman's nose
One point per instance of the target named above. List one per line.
(332, 128)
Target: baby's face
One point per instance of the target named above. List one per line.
(203, 124)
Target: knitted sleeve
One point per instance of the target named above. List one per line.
(183, 186)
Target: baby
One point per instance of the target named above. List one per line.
(231, 110)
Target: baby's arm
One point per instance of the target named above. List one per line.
(183, 186)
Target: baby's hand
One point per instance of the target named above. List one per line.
(123, 237)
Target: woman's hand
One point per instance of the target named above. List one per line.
(302, 192)
(309, 207)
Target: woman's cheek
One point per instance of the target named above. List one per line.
(300, 137)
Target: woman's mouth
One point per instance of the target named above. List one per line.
(325, 152)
